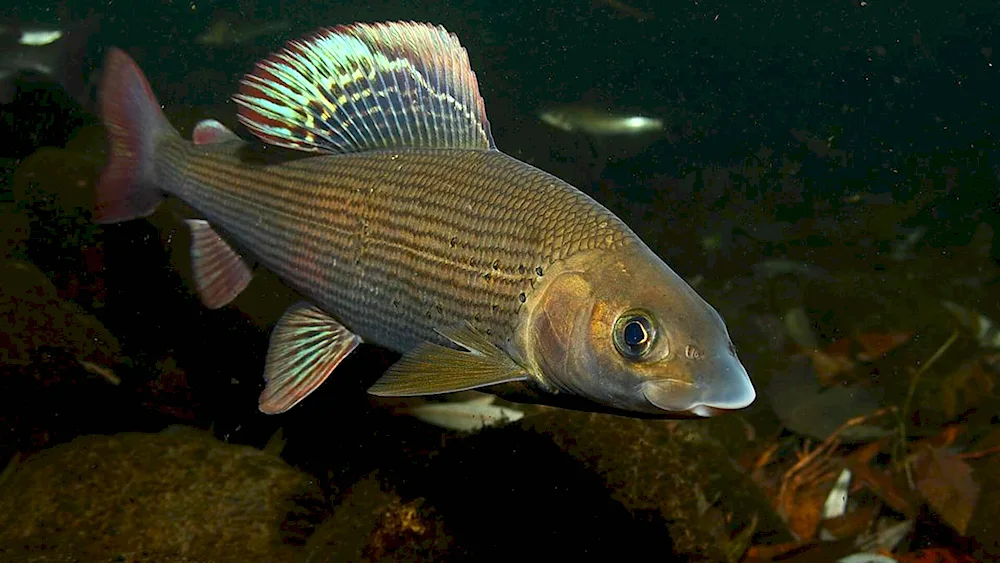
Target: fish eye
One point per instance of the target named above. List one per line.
(634, 334)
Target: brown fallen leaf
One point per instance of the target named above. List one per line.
(946, 437)
(774, 551)
(984, 446)
(948, 485)
(867, 452)
(886, 486)
(840, 347)
(979, 453)
(800, 552)
(889, 488)
(877, 344)
(804, 511)
(964, 387)
(853, 523)
(936, 555)
(829, 368)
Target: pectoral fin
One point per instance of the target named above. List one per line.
(431, 368)
(306, 345)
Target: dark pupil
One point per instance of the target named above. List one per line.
(635, 334)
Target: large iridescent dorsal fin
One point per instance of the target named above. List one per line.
(367, 86)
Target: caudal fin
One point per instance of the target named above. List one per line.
(134, 124)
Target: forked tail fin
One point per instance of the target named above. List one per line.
(134, 124)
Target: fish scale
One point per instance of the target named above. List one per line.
(419, 231)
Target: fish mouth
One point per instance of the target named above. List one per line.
(730, 390)
(671, 394)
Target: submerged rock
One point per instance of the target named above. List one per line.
(179, 495)
(568, 484)
(374, 524)
(36, 317)
(673, 472)
(58, 363)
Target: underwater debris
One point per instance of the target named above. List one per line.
(229, 31)
(799, 328)
(947, 483)
(835, 505)
(775, 267)
(805, 406)
(102, 371)
(968, 386)
(472, 415)
(981, 327)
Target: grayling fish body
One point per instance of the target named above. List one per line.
(410, 230)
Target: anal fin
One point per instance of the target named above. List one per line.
(432, 369)
(306, 346)
(220, 274)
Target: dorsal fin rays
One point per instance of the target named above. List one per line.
(364, 87)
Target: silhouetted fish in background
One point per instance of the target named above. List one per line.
(597, 122)
(603, 129)
(407, 228)
(50, 52)
(226, 32)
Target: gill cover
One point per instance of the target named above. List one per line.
(620, 328)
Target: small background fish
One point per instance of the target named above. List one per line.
(598, 121)
(229, 31)
(56, 53)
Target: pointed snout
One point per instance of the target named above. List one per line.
(717, 386)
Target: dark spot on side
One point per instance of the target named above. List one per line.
(489, 332)
(522, 297)
(453, 242)
(521, 269)
(496, 308)
(487, 276)
(496, 264)
(538, 270)
(315, 106)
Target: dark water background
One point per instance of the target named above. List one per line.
(906, 89)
